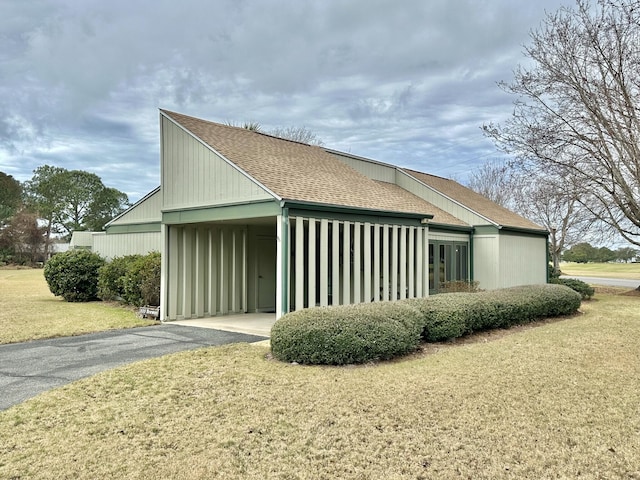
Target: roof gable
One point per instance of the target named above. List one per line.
(474, 202)
(301, 172)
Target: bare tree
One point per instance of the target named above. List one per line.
(577, 112)
(252, 126)
(555, 204)
(493, 180)
(297, 134)
(546, 200)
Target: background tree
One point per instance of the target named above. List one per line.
(10, 197)
(297, 134)
(551, 203)
(44, 195)
(72, 200)
(493, 180)
(106, 205)
(626, 254)
(576, 114)
(22, 239)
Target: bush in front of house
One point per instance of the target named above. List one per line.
(379, 331)
(584, 289)
(347, 334)
(134, 279)
(73, 275)
(111, 277)
(452, 315)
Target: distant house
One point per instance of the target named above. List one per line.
(134, 231)
(248, 222)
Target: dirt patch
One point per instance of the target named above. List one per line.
(487, 335)
(602, 290)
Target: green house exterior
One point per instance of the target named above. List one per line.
(247, 222)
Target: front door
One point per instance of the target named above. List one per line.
(266, 301)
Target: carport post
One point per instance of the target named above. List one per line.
(282, 263)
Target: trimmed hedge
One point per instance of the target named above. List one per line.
(379, 331)
(73, 275)
(347, 334)
(584, 289)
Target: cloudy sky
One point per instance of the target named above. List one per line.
(407, 82)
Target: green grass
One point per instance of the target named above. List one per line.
(28, 311)
(559, 400)
(604, 270)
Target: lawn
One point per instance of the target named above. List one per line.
(28, 310)
(604, 270)
(559, 400)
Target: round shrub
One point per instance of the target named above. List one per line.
(73, 275)
(347, 334)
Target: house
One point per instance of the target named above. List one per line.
(248, 222)
(134, 231)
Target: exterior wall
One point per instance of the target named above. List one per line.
(373, 170)
(340, 262)
(507, 259)
(81, 240)
(448, 205)
(147, 210)
(448, 237)
(118, 245)
(195, 176)
(206, 271)
(486, 263)
(523, 260)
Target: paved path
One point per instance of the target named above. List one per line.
(611, 282)
(27, 369)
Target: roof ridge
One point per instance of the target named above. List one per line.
(218, 124)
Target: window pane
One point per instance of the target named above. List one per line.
(431, 269)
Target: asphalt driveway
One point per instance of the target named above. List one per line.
(27, 369)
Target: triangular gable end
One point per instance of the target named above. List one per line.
(194, 175)
(145, 210)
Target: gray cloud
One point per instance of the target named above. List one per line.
(408, 82)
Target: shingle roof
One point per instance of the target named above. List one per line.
(301, 172)
(474, 201)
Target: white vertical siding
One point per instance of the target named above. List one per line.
(439, 200)
(351, 257)
(206, 271)
(120, 244)
(148, 209)
(486, 265)
(523, 260)
(193, 175)
(373, 170)
(506, 260)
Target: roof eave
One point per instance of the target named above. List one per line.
(306, 205)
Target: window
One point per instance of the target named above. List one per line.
(450, 264)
